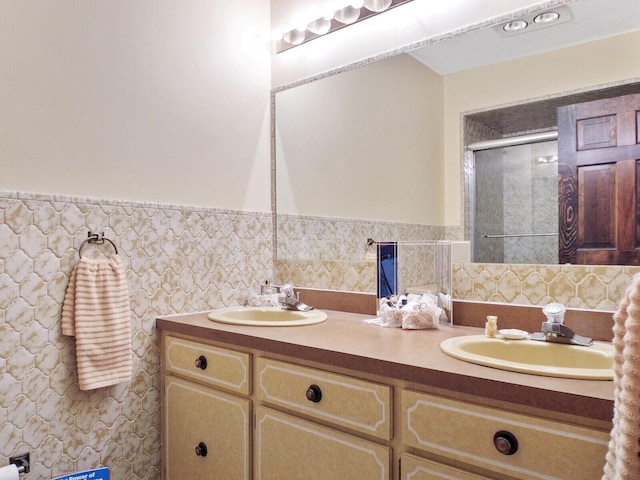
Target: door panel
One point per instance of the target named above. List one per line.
(599, 151)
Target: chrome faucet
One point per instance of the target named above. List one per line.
(289, 300)
(554, 330)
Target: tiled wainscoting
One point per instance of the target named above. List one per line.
(178, 259)
(182, 259)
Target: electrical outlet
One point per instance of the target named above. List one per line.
(21, 461)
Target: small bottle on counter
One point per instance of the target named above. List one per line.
(491, 327)
(268, 296)
(267, 289)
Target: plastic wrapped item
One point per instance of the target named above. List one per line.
(421, 316)
(390, 315)
(409, 315)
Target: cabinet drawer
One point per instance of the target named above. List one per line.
(416, 468)
(220, 367)
(465, 432)
(349, 402)
(287, 447)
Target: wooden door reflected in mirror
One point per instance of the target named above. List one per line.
(599, 168)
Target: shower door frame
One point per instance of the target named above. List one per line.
(469, 172)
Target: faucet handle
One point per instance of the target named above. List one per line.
(554, 312)
(287, 290)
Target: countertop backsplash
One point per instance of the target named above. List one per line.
(594, 287)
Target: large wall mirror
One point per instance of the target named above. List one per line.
(385, 143)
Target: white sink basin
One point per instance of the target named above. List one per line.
(266, 316)
(531, 356)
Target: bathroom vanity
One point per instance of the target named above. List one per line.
(347, 400)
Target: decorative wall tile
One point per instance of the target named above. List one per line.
(178, 259)
(325, 252)
(577, 286)
(184, 259)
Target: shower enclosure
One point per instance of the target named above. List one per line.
(515, 204)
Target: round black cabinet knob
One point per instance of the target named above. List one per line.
(505, 442)
(201, 450)
(201, 362)
(314, 394)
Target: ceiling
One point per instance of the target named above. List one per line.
(580, 21)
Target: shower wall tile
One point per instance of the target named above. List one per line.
(178, 259)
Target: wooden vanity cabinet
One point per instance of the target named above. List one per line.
(264, 418)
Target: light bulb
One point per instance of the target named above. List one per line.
(294, 37)
(328, 15)
(320, 26)
(347, 15)
(377, 5)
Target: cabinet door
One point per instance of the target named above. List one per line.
(291, 448)
(198, 417)
(416, 468)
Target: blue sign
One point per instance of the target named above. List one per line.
(97, 474)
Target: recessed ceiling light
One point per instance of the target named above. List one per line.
(515, 26)
(547, 17)
(534, 22)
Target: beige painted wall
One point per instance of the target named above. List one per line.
(580, 67)
(336, 157)
(149, 100)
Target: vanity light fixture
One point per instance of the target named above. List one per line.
(349, 13)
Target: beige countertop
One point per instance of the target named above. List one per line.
(345, 341)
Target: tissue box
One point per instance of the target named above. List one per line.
(96, 474)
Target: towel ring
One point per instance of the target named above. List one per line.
(98, 238)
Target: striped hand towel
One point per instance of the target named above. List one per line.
(623, 457)
(96, 310)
